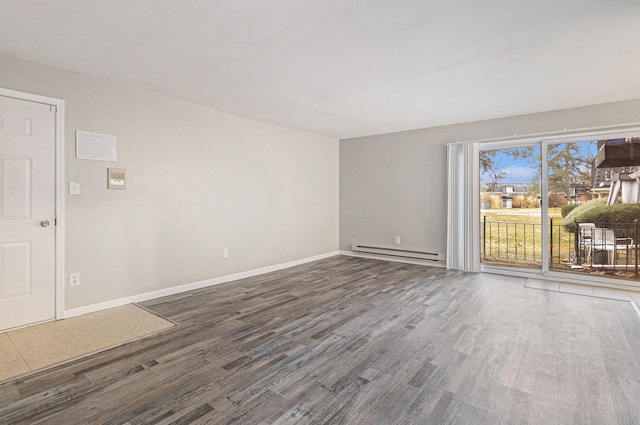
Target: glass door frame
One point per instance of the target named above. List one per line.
(580, 137)
(543, 142)
(524, 271)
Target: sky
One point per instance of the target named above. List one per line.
(521, 171)
(518, 174)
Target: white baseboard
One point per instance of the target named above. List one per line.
(191, 286)
(430, 263)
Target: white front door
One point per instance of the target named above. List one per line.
(27, 212)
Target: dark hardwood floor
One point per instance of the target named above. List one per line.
(354, 341)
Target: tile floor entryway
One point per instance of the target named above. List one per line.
(47, 344)
(588, 290)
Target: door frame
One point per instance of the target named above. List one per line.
(520, 271)
(59, 189)
(607, 133)
(544, 140)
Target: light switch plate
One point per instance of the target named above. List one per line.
(74, 188)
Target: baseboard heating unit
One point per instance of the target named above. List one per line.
(397, 252)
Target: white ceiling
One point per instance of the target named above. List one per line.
(344, 68)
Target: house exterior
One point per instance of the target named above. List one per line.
(509, 195)
(522, 195)
(580, 193)
(616, 170)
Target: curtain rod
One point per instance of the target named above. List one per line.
(565, 132)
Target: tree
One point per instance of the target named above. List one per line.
(495, 177)
(490, 167)
(569, 166)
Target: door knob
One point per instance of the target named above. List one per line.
(45, 223)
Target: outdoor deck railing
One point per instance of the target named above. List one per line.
(513, 242)
(611, 249)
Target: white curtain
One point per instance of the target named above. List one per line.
(463, 206)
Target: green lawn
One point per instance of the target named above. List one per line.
(514, 236)
(519, 215)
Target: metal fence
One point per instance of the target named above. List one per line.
(602, 248)
(510, 242)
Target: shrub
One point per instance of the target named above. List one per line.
(603, 215)
(492, 200)
(530, 201)
(567, 209)
(557, 200)
(611, 215)
(567, 221)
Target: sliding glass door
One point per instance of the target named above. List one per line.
(510, 208)
(562, 205)
(595, 182)
(570, 185)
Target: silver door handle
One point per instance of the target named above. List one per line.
(45, 223)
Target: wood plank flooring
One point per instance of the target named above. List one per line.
(355, 341)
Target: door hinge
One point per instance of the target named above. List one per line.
(54, 108)
(55, 222)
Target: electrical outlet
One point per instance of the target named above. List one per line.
(397, 240)
(74, 279)
(225, 253)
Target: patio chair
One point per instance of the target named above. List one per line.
(603, 239)
(586, 230)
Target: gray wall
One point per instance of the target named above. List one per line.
(395, 184)
(198, 181)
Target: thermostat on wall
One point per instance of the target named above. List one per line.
(116, 178)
